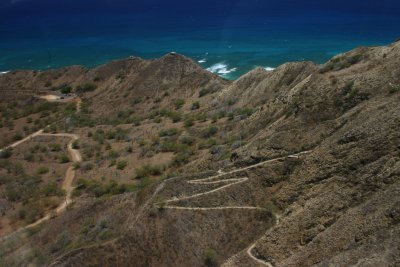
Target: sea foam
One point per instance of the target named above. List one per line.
(3, 72)
(221, 69)
(202, 60)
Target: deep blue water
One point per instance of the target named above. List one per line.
(228, 37)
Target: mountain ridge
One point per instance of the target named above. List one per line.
(299, 166)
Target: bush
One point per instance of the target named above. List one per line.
(63, 240)
(136, 101)
(42, 170)
(195, 105)
(87, 87)
(168, 132)
(52, 189)
(75, 144)
(148, 170)
(55, 147)
(29, 157)
(209, 132)
(181, 158)
(340, 63)
(187, 140)
(66, 90)
(122, 164)
(6, 153)
(17, 137)
(86, 166)
(245, 112)
(350, 97)
(189, 122)
(99, 189)
(77, 165)
(173, 147)
(204, 91)
(64, 159)
(231, 101)
(175, 116)
(210, 258)
(179, 103)
(207, 144)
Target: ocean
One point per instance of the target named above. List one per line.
(226, 40)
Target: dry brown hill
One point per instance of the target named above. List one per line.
(313, 181)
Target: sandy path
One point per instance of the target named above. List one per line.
(29, 137)
(70, 174)
(67, 183)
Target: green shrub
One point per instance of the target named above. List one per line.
(75, 144)
(189, 122)
(52, 189)
(87, 87)
(147, 170)
(231, 101)
(55, 147)
(42, 170)
(394, 89)
(187, 140)
(209, 132)
(168, 132)
(61, 243)
(340, 63)
(210, 258)
(122, 164)
(17, 137)
(86, 166)
(180, 159)
(6, 153)
(195, 105)
(245, 111)
(173, 147)
(66, 90)
(99, 189)
(64, 159)
(29, 157)
(178, 103)
(174, 116)
(204, 91)
(136, 101)
(207, 144)
(77, 165)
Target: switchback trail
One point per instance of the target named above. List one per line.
(216, 179)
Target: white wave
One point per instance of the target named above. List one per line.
(269, 68)
(202, 60)
(221, 69)
(4, 72)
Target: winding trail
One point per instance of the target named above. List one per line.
(67, 183)
(216, 179)
(76, 157)
(29, 137)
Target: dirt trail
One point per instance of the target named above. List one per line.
(67, 183)
(29, 137)
(216, 179)
(78, 104)
(69, 176)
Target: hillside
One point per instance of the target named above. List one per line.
(299, 166)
